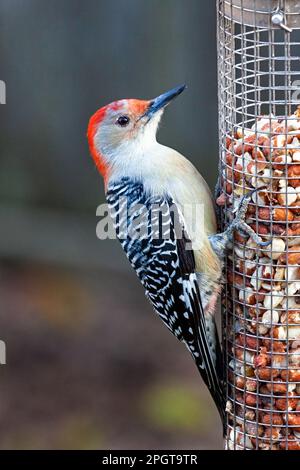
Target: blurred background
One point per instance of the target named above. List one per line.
(89, 366)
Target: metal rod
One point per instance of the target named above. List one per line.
(259, 142)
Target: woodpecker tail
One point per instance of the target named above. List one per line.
(216, 389)
(209, 362)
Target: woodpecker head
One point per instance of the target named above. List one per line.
(125, 128)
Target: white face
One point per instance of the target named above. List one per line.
(126, 132)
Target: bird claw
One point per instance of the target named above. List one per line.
(221, 241)
(239, 222)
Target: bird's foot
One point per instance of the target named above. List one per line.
(239, 221)
(220, 241)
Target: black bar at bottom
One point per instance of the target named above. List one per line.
(133, 459)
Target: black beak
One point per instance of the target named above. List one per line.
(163, 100)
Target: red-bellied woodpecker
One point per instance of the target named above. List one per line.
(177, 256)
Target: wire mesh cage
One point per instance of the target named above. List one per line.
(259, 141)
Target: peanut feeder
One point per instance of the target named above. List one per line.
(259, 124)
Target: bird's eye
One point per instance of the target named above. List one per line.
(123, 121)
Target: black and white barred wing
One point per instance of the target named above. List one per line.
(155, 244)
(171, 283)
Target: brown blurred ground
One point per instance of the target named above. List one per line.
(90, 366)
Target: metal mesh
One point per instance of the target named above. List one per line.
(259, 123)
